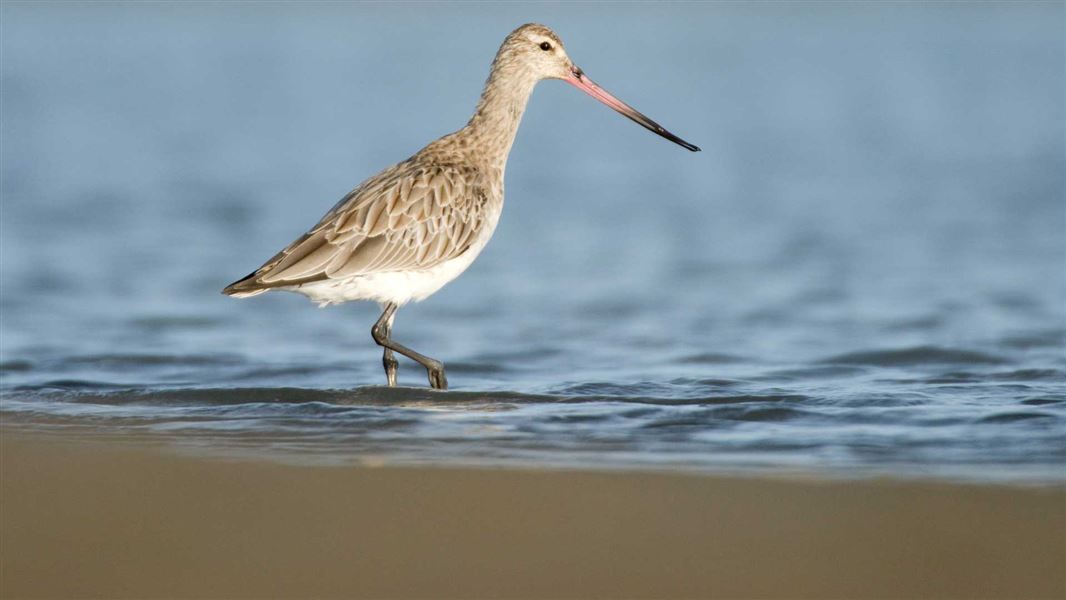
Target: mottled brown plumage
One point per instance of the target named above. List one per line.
(412, 216)
(404, 233)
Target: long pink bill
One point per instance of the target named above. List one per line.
(581, 81)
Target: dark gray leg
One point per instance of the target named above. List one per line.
(390, 362)
(382, 333)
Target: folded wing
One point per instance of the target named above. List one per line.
(409, 217)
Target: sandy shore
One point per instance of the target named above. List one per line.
(81, 519)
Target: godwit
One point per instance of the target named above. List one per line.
(405, 232)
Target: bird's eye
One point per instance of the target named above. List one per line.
(545, 46)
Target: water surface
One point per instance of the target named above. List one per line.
(864, 272)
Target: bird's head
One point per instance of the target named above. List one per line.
(534, 52)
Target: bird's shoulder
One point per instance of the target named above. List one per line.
(424, 187)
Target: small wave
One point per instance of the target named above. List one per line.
(621, 390)
(362, 396)
(694, 401)
(1032, 375)
(918, 355)
(815, 372)
(723, 416)
(1043, 401)
(90, 394)
(953, 377)
(16, 366)
(926, 323)
(477, 368)
(762, 413)
(283, 371)
(711, 382)
(1014, 417)
(427, 396)
(747, 398)
(577, 419)
(685, 424)
(71, 385)
(283, 395)
(1050, 338)
(121, 361)
(710, 358)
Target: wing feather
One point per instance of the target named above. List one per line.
(408, 217)
(307, 255)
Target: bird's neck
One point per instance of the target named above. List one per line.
(499, 112)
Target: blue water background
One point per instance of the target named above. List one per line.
(864, 271)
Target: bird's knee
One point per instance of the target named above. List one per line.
(379, 333)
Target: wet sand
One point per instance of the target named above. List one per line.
(95, 519)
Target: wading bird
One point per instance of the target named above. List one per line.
(405, 232)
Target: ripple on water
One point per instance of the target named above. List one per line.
(478, 368)
(276, 372)
(71, 385)
(16, 366)
(133, 361)
(710, 358)
(1032, 375)
(829, 371)
(1043, 401)
(705, 417)
(914, 356)
(1046, 338)
(1014, 417)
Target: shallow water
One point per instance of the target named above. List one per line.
(864, 272)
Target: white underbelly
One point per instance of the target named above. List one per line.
(399, 287)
